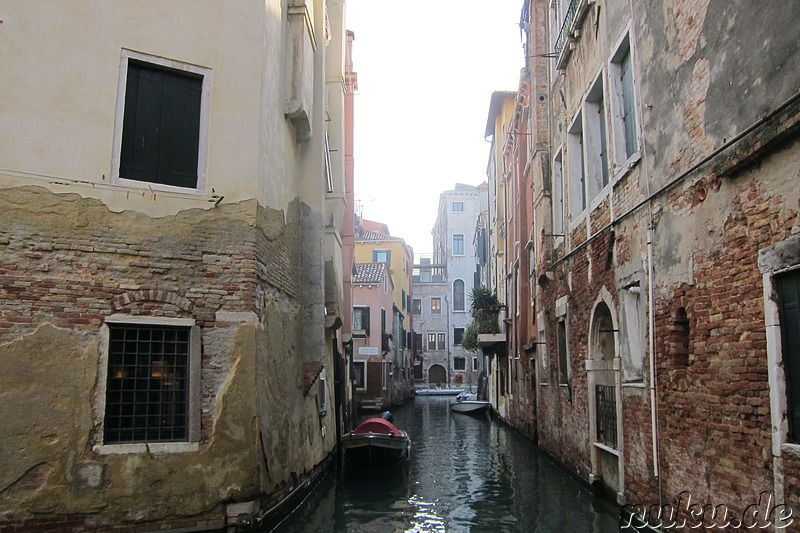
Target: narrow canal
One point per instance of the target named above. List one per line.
(465, 474)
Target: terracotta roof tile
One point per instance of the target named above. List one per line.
(369, 273)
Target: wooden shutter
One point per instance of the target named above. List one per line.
(161, 126)
(628, 112)
(789, 309)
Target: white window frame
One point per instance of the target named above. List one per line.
(460, 205)
(464, 295)
(557, 196)
(620, 161)
(439, 312)
(205, 111)
(363, 364)
(576, 168)
(192, 443)
(463, 244)
(595, 134)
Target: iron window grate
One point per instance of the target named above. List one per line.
(147, 388)
(607, 415)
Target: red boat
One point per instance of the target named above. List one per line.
(376, 441)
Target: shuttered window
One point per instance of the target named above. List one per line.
(161, 126)
(788, 286)
(628, 111)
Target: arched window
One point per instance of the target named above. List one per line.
(458, 295)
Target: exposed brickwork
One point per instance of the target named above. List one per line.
(75, 263)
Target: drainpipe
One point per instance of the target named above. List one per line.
(652, 325)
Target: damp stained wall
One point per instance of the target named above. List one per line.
(78, 246)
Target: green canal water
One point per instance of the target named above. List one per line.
(465, 473)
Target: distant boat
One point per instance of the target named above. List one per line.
(376, 441)
(469, 404)
(438, 392)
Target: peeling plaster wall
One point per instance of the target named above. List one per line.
(706, 71)
(76, 248)
(234, 270)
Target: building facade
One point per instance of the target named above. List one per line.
(443, 284)
(662, 159)
(171, 288)
(375, 244)
(373, 344)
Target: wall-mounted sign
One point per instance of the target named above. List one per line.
(367, 350)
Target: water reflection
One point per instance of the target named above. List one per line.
(465, 474)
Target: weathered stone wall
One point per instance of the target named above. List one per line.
(719, 127)
(67, 264)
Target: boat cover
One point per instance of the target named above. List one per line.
(378, 425)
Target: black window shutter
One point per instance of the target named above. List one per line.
(180, 127)
(161, 126)
(140, 127)
(365, 319)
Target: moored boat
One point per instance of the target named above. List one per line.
(376, 441)
(469, 404)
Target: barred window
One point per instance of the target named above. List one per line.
(147, 391)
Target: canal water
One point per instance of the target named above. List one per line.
(465, 473)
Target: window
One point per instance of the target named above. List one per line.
(577, 168)
(436, 306)
(322, 393)
(458, 245)
(416, 306)
(152, 385)
(788, 289)
(458, 295)
(556, 20)
(623, 106)
(436, 341)
(361, 321)
(163, 121)
(359, 375)
(458, 207)
(403, 298)
(594, 140)
(459, 363)
(382, 256)
(474, 364)
(563, 354)
(328, 169)
(558, 195)
(458, 334)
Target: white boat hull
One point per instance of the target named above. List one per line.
(470, 406)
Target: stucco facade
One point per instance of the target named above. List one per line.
(378, 245)
(244, 263)
(373, 344)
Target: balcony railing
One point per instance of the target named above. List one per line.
(566, 26)
(576, 12)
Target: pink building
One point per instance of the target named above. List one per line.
(372, 342)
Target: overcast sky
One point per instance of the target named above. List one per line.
(426, 72)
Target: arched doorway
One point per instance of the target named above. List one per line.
(437, 375)
(603, 379)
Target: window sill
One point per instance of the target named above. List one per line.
(622, 170)
(605, 448)
(145, 447)
(792, 450)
